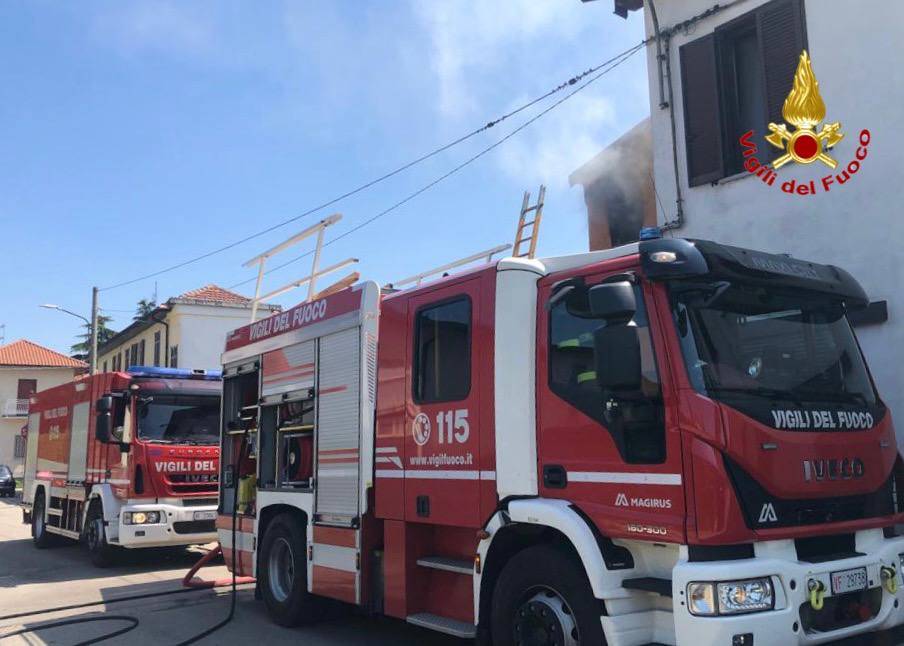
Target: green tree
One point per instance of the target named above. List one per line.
(104, 334)
(144, 308)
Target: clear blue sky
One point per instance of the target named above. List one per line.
(138, 134)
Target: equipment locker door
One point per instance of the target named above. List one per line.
(442, 443)
(338, 427)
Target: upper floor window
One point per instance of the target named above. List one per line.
(442, 361)
(174, 356)
(639, 429)
(735, 80)
(157, 348)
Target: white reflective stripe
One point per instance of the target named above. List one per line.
(119, 482)
(244, 540)
(621, 477)
(387, 449)
(436, 474)
(336, 557)
(328, 471)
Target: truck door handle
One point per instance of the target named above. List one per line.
(555, 476)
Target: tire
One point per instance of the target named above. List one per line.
(95, 536)
(283, 574)
(543, 597)
(41, 538)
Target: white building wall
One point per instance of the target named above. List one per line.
(10, 426)
(856, 49)
(200, 333)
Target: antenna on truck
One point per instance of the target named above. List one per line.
(261, 259)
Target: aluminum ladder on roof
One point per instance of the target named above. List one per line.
(524, 224)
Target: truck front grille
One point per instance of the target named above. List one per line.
(194, 526)
(842, 611)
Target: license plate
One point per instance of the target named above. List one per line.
(852, 580)
(209, 515)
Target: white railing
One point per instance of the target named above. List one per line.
(15, 408)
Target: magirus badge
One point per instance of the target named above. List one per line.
(804, 109)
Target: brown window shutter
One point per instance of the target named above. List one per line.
(702, 122)
(783, 36)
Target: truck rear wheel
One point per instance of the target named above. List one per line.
(283, 573)
(102, 553)
(39, 534)
(543, 598)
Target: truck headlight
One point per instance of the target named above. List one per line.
(141, 518)
(700, 598)
(730, 597)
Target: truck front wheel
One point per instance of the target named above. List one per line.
(39, 535)
(283, 573)
(543, 598)
(102, 553)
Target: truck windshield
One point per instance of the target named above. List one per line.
(179, 419)
(747, 343)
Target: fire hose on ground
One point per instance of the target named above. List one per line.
(190, 583)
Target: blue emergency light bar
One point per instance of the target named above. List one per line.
(174, 373)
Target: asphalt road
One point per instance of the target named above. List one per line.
(32, 580)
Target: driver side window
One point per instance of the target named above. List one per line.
(635, 419)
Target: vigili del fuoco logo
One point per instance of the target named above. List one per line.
(805, 110)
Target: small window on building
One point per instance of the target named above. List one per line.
(19, 447)
(157, 348)
(105, 367)
(141, 353)
(174, 356)
(442, 365)
(735, 80)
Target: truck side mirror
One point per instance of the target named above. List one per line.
(614, 302)
(617, 357)
(103, 429)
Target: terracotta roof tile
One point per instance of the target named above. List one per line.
(214, 294)
(28, 353)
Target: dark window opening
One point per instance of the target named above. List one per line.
(157, 348)
(442, 363)
(735, 80)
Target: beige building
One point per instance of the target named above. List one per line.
(26, 368)
(187, 331)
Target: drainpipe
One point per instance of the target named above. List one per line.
(678, 222)
(165, 334)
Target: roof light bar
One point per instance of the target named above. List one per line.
(174, 373)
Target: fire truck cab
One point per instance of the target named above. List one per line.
(674, 441)
(124, 460)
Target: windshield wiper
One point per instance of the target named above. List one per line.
(761, 391)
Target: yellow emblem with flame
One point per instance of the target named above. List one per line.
(804, 109)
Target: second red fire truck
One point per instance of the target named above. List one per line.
(124, 460)
(674, 441)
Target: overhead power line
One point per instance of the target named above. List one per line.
(612, 64)
(574, 80)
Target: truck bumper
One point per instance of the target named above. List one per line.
(793, 620)
(178, 526)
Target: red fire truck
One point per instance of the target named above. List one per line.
(674, 441)
(124, 459)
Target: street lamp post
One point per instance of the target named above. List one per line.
(92, 326)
